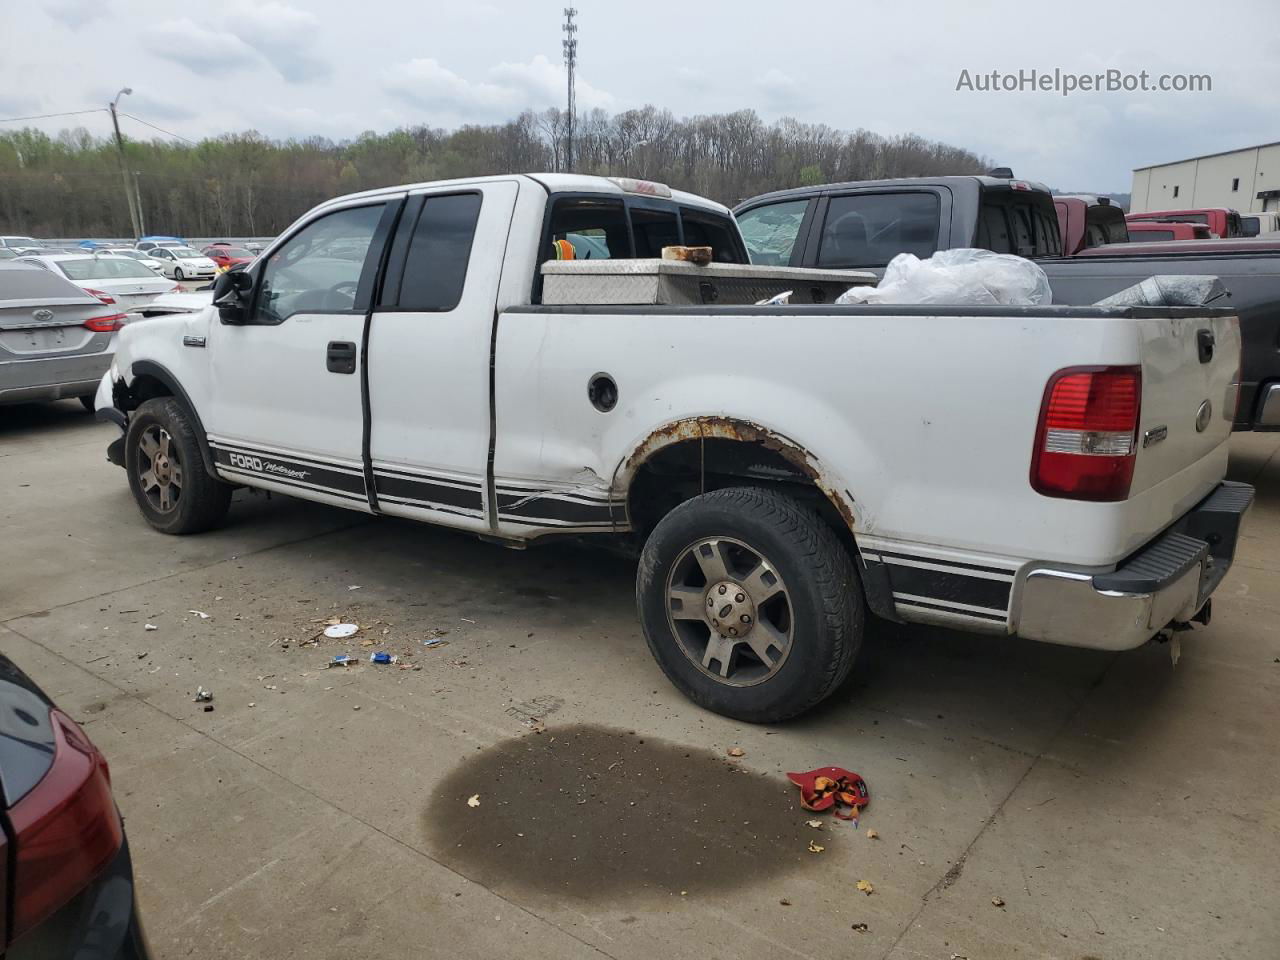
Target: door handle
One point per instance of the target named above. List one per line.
(340, 357)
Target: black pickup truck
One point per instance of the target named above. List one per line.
(865, 224)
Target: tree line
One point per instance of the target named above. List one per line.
(245, 184)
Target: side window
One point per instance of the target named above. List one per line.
(587, 228)
(318, 270)
(771, 231)
(870, 229)
(707, 230)
(654, 229)
(439, 251)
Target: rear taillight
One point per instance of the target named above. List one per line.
(66, 829)
(1086, 441)
(104, 297)
(106, 324)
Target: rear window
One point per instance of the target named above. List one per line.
(1180, 218)
(1250, 226)
(1010, 222)
(870, 229)
(597, 228)
(703, 229)
(105, 268)
(654, 229)
(1153, 235)
(24, 281)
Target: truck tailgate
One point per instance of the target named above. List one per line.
(1190, 378)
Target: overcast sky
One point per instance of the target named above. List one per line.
(338, 67)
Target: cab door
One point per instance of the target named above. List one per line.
(288, 409)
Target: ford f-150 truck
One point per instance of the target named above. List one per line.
(865, 224)
(1054, 473)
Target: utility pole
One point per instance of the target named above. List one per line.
(570, 44)
(124, 167)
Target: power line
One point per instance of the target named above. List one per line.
(46, 116)
(161, 129)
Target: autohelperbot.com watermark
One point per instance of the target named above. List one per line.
(1065, 83)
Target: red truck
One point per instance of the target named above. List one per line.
(1222, 221)
(1088, 221)
(1146, 231)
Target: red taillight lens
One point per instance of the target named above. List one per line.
(66, 829)
(104, 297)
(106, 324)
(1086, 439)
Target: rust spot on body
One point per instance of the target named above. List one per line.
(726, 428)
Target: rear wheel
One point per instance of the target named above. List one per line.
(166, 471)
(177, 274)
(750, 604)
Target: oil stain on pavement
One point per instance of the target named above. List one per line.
(591, 813)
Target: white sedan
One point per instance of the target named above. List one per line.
(116, 280)
(183, 263)
(142, 256)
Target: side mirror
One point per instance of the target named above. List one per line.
(231, 295)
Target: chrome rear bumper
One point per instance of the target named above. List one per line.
(1167, 581)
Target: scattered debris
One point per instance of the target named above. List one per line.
(860, 927)
(873, 835)
(202, 695)
(1175, 650)
(737, 752)
(143, 654)
(342, 660)
(432, 642)
(830, 788)
(785, 902)
(356, 707)
(383, 657)
(473, 800)
(997, 901)
(866, 886)
(199, 613)
(150, 626)
(340, 631)
(208, 708)
(815, 847)
(816, 824)
(354, 586)
(252, 704)
(466, 620)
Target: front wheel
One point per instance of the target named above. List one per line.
(750, 604)
(166, 470)
(177, 274)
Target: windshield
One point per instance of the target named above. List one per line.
(105, 268)
(185, 253)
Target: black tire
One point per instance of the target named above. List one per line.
(177, 274)
(823, 596)
(88, 404)
(200, 501)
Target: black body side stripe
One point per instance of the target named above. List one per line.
(287, 470)
(956, 587)
(290, 457)
(601, 496)
(548, 507)
(470, 484)
(427, 491)
(890, 557)
(283, 481)
(994, 618)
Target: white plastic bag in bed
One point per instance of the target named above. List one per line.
(961, 276)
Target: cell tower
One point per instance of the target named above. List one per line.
(570, 44)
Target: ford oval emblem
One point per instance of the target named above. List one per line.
(1203, 415)
(42, 315)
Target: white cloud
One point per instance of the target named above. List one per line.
(780, 92)
(199, 48)
(507, 89)
(284, 35)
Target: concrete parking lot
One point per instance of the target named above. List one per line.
(1117, 806)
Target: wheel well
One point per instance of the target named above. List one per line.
(685, 469)
(146, 387)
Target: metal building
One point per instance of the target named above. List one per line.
(1246, 179)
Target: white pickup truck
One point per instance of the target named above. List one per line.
(1050, 472)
